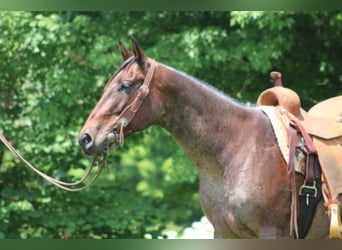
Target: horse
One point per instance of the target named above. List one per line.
(244, 186)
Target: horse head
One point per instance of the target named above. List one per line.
(129, 103)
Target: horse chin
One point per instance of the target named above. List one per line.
(110, 147)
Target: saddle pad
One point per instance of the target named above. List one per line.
(279, 131)
(279, 124)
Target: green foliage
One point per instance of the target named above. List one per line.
(54, 67)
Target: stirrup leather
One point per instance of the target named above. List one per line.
(335, 221)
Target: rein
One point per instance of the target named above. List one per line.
(101, 160)
(129, 112)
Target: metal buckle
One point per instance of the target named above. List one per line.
(123, 122)
(308, 191)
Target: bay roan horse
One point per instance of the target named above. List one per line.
(245, 189)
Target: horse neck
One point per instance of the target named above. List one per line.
(200, 118)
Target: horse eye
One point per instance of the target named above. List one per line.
(124, 86)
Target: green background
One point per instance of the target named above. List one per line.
(53, 68)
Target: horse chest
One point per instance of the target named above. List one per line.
(228, 218)
(233, 200)
(227, 206)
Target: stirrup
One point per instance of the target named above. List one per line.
(335, 221)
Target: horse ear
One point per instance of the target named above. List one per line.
(124, 52)
(137, 51)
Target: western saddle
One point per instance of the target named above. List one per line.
(314, 140)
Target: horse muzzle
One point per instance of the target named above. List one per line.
(90, 147)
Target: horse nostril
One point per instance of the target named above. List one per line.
(86, 142)
(86, 138)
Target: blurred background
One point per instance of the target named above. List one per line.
(53, 68)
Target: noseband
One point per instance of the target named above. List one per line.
(127, 115)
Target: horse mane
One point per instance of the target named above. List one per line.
(206, 86)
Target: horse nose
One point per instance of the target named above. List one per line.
(87, 143)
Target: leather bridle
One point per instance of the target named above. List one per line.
(127, 115)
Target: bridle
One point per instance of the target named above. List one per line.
(127, 115)
(116, 135)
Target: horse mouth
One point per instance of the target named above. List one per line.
(111, 142)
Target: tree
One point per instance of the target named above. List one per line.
(53, 69)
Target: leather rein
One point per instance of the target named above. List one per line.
(124, 119)
(101, 160)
